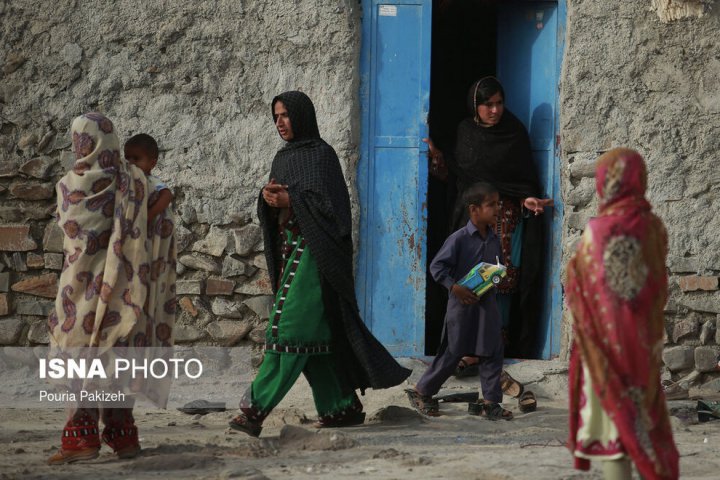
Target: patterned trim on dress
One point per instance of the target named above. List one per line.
(286, 287)
(509, 218)
(276, 347)
(252, 412)
(595, 449)
(338, 417)
(81, 433)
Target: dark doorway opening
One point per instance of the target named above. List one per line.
(464, 36)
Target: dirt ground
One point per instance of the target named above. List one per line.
(394, 443)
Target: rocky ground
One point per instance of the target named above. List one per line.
(395, 443)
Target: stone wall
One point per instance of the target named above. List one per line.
(630, 80)
(199, 77)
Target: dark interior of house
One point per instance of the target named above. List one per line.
(464, 34)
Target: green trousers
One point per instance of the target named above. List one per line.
(279, 372)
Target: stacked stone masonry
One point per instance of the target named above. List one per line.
(627, 80)
(199, 76)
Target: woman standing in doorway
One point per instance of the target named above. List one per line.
(493, 146)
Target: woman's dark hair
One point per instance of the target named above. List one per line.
(481, 91)
(477, 193)
(146, 142)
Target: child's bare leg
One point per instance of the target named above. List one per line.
(620, 469)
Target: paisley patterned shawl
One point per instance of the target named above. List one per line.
(161, 302)
(616, 291)
(102, 210)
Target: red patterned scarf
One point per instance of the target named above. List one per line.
(616, 291)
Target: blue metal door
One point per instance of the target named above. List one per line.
(528, 65)
(392, 172)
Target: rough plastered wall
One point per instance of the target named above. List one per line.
(199, 77)
(630, 80)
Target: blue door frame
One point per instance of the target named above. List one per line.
(392, 171)
(529, 57)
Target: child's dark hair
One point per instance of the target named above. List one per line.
(477, 193)
(146, 142)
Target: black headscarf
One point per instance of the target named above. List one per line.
(501, 155)
(321, 204)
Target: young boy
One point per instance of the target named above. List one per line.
(142, 151)
(472, 324)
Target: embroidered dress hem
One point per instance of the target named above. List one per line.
(597, 435)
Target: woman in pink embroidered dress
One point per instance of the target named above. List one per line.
(616, 291)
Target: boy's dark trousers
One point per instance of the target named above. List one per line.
(444, 365)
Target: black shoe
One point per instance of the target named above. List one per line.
(708, 411)
(349, 420)
(244, 424)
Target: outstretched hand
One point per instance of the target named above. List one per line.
(276, 195)
(537, 205)
(438, 167)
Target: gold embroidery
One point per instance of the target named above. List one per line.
(625, 268)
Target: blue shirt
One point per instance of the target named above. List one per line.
(470, 329)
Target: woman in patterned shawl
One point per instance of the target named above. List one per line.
(616, 291)
(103, 290)
(315, 327)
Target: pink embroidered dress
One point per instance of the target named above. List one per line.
(616, 291)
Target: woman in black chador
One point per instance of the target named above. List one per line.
(315, 326)
(493, 146)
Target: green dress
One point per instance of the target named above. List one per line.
(298, 337)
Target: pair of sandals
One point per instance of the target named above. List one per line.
(428, 406)
(526, 399)
(244, 424)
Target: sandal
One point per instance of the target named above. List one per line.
(123, 439)
(510, 386)
(495, 411)
(423, 404)
(62, 456)
(707, 411)
(348, 417)
(349, 420)
(465, 369)
(527, 402)
(673, 391)
(244, 424)
(80, 441)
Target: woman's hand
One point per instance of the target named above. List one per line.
(464, 294)
(438, 168)
(537, 205)
(276, 195)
